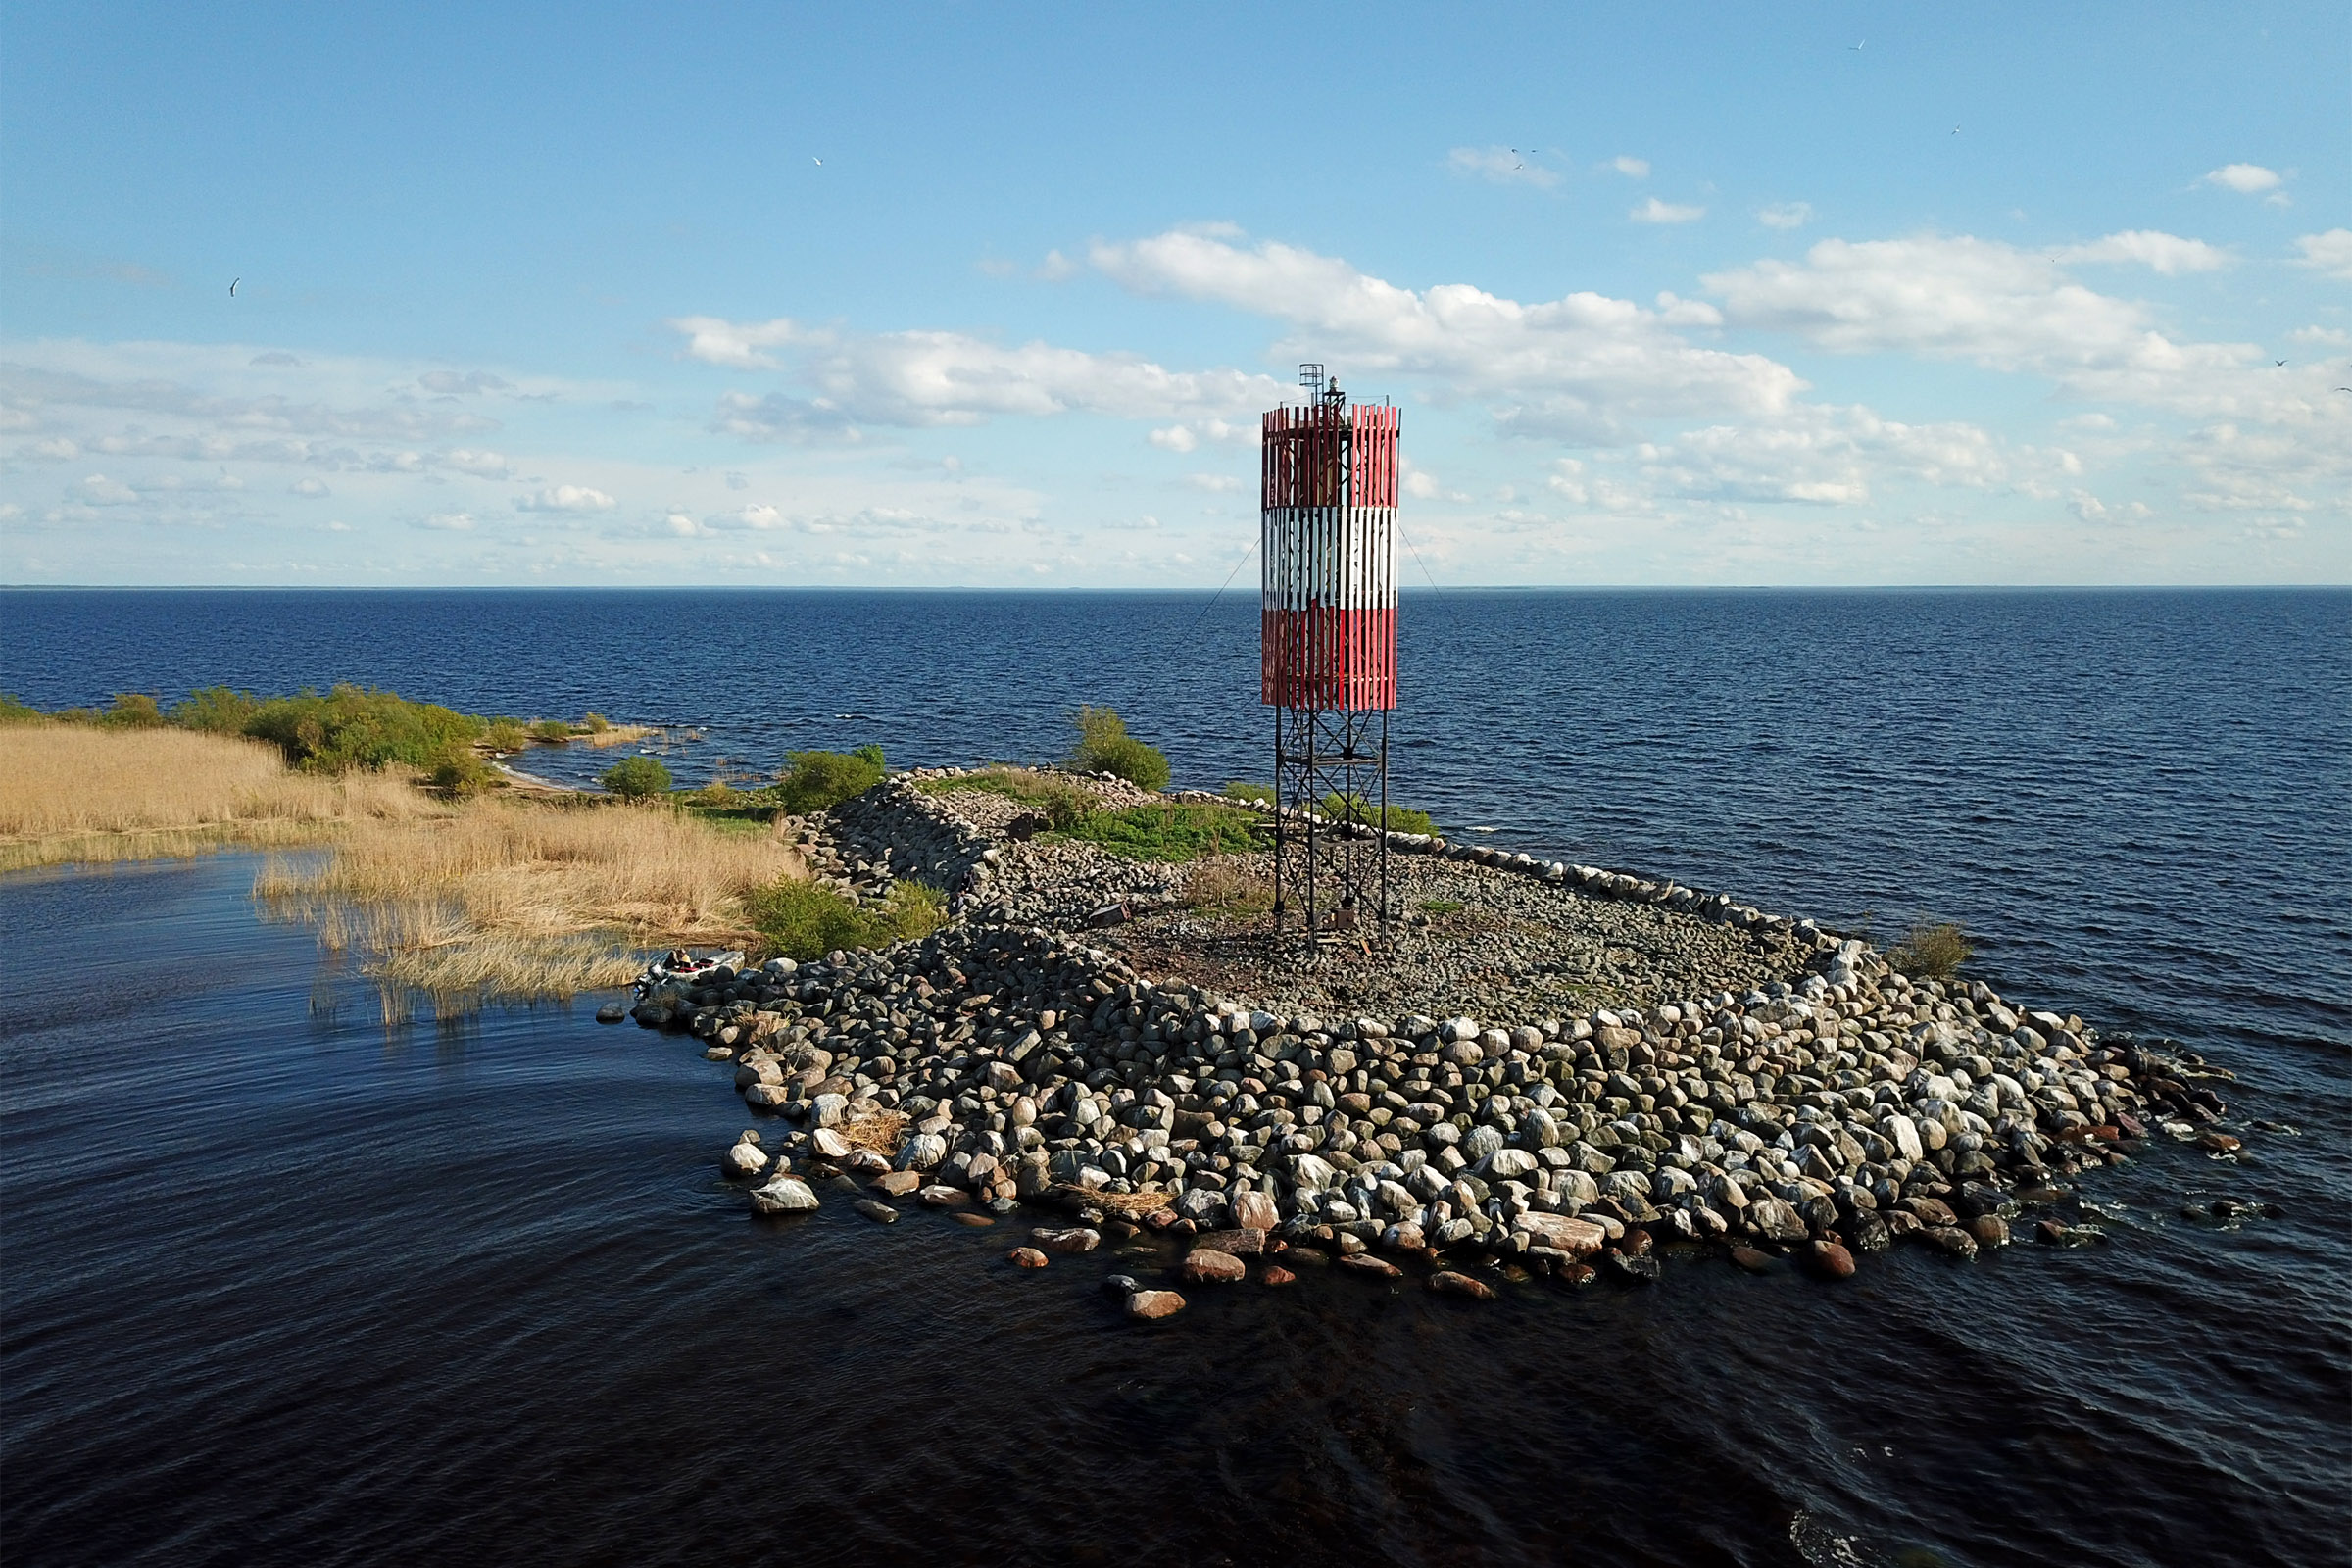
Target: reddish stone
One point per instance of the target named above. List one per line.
(1027, 1257)
(1237, 1243)
(1152, 1305)
(1452, 1284)
(1833, 1260)
(967, 1217)
(1205, 1267)
(1366, 1263)
(1752, 1260)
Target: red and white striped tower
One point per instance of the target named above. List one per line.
(1329, 662)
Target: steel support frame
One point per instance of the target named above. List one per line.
(1319, 752)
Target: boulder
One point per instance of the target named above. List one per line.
(1205, 1267)
(1255, 1211)
(746, 1159)
(1448, 1283)
(1153, 1304)
(1579, 1238)
(783, 1194)
(1026, 1257)
(1075, 1239)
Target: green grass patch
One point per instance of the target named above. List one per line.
(806, 920)
(1170, 832)
(1399, 818)
(1237, 789)
(1440, 906)
(13, 711)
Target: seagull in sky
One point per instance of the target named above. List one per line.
(818, 162)
(1851, 47)
(2280, 363)
(232, 287)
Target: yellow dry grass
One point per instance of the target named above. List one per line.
(71, 793)
(876, 1130)
(510, 899)
(614, 735)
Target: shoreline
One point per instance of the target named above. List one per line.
(1021, 1056)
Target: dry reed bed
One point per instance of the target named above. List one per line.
(511, 899)
(71, 793)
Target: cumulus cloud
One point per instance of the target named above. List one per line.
(738, 345)
(481, 464)
(2329, 253)
(451, 383)
(53, 449)
(1654, 210)
(1573, 365)
(572, 498)
(2168, 254)
(98, 490)
(1822, 455)
(1188, 437)
(312, 488)
(1785, 215)
(922, 378)
(1501, 165)
(1631, 168)
(2247, 180)
(1993, 304)
(448, 522)
(2090, 508)
(1215, 483)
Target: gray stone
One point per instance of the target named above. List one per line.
(783, 1194)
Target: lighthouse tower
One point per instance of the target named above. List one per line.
(1328, 540)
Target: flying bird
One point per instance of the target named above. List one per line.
(232, 287)
(818, 162)
(1853, 46)
(2279, 362)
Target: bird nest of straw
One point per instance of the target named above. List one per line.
(1132, 1204)
(876, 1131)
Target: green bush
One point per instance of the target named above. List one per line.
(353, 727)
(460, 772)
(819, 779)
(633, 778)
(217, 710)
(1243, 790)
(1171, 833)
(135, 710)
(13, 711)
(1931, 951)
(596, 723)
(806, 919)
(551, 732)
(1399, 818)
(505, 735)
(1104, 747)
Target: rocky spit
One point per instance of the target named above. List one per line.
(1542, 1070)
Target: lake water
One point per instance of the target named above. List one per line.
(281, 1286)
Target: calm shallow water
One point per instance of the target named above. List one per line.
(282, 1286)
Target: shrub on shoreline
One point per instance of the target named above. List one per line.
(351, 726)
(551, 732)
(817, 780)
(1104, 747)
(633, 778)
(1237, 789)
(1399, 818)
(1931, 949)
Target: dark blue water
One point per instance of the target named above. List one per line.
(279, 1287)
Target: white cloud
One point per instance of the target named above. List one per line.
(452, 384)
(1215, 483)
(1502, 164)
(99, 491)
(1421, 484)
(1785, 215)
(1631, 168)
(947, 379)
(2090, 508)
(309, 487)
(481, 464)
(739, 345)
(1188, 437)
(1822, 455)
(2168, 254)
(574, 498)
(2246, 180)
(685, 527)
(1575, 364)
(55, 449)
(1989, 303)
(1654, 210)
(2329, 253)
(448, 522)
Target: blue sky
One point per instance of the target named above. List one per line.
(965, 295)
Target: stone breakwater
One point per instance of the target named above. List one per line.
(1834, 1112)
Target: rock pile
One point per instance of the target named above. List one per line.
(1832, 1111)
